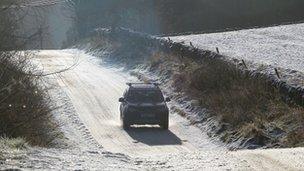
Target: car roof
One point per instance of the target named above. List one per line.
(143, 86)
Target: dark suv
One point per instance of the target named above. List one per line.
(144, 104)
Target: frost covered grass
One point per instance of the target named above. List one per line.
(15, 143)
(12, 148)
(279, 46)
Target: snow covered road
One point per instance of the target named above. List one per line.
(94, 91)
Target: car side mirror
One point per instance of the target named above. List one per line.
(167, 99)
(121, 99)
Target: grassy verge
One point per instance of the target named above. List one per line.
(12, 148)
(250, 110)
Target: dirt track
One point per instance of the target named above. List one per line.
(94, 91)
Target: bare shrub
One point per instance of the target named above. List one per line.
(25, 109)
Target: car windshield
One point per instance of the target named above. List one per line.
(145, 96)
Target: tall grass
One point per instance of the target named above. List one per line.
(12, 148)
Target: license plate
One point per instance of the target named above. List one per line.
(148, 115)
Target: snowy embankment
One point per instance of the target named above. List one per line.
(279, 47)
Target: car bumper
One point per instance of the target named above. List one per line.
(146, 118)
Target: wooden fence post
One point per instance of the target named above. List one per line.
(191, 44)
(244, 64)
(217, 50)
(277, 73)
